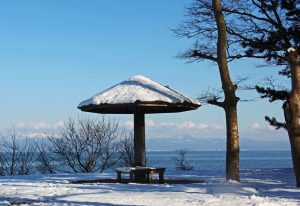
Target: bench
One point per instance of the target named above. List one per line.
(141, 174)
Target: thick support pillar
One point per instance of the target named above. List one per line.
(139, 139)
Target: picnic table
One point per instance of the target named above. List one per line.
(146, 172)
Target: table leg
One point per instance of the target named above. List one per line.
(119, 177)
(149, 177)
(161, 178)
(131, 177)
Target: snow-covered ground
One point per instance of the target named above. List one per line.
(258, 187)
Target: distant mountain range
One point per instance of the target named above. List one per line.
(213, 144)
(208, 144)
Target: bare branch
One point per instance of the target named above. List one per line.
(211, 96)
(87, 146)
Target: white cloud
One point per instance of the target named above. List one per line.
(217, 126)
(263, 132)
(128, 123)
(150, 123)
(202, 126)
(59, 124)
(187, 125)
(255, 126)
(271, 128)
(36, 135)
(167, 124)
(21, 125)
(167, 129)
(41, 125)
(182, 125)
(192, 125)
(39, 135)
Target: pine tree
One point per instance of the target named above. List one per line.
(276, 39)
(263, 29)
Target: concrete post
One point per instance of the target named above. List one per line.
(139, 139)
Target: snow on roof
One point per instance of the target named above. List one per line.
(137, 88)
(291, 49)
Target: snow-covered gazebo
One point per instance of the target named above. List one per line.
(138, 95)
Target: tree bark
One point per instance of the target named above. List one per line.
(231, 100)
(232, 144)
(292, 113)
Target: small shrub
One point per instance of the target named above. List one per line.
(180, 161)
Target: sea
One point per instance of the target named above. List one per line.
(214, 161)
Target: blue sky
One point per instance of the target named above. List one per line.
(56, 53)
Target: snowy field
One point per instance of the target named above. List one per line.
(258, 187)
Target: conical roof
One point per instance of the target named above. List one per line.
(138, 93)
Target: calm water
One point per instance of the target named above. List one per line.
(215, 160)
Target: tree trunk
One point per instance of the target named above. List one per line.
(232, 144)
(230, 102)
(292, 113)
